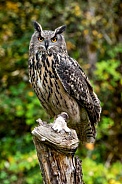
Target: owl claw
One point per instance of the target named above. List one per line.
(60, 125)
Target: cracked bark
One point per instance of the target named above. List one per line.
(55, 152)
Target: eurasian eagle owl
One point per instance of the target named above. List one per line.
(60, 83)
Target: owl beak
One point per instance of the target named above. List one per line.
(46, 44)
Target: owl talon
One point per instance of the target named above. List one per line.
(60, 125)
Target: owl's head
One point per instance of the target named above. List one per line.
(45, 41)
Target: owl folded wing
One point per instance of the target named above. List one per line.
(78, 86)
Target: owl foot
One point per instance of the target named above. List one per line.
(60, 123)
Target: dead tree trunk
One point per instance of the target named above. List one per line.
(55, 152)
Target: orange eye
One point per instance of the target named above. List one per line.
(40, 39)
(54, 39)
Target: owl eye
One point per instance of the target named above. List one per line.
(40, 38)
(54, 39)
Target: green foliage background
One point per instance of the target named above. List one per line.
(94, 38)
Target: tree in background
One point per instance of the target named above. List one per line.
(94, 38)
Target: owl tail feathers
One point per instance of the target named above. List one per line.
(85, 130)
(87, 135)
(90, 133)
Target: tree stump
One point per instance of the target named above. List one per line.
(55, 152)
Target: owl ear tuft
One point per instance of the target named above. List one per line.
(37, 26)
(60, 29)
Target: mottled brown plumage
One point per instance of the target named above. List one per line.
(60, 83)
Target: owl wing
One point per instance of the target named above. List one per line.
(77, 85)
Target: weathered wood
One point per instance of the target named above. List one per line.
(55, 152)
